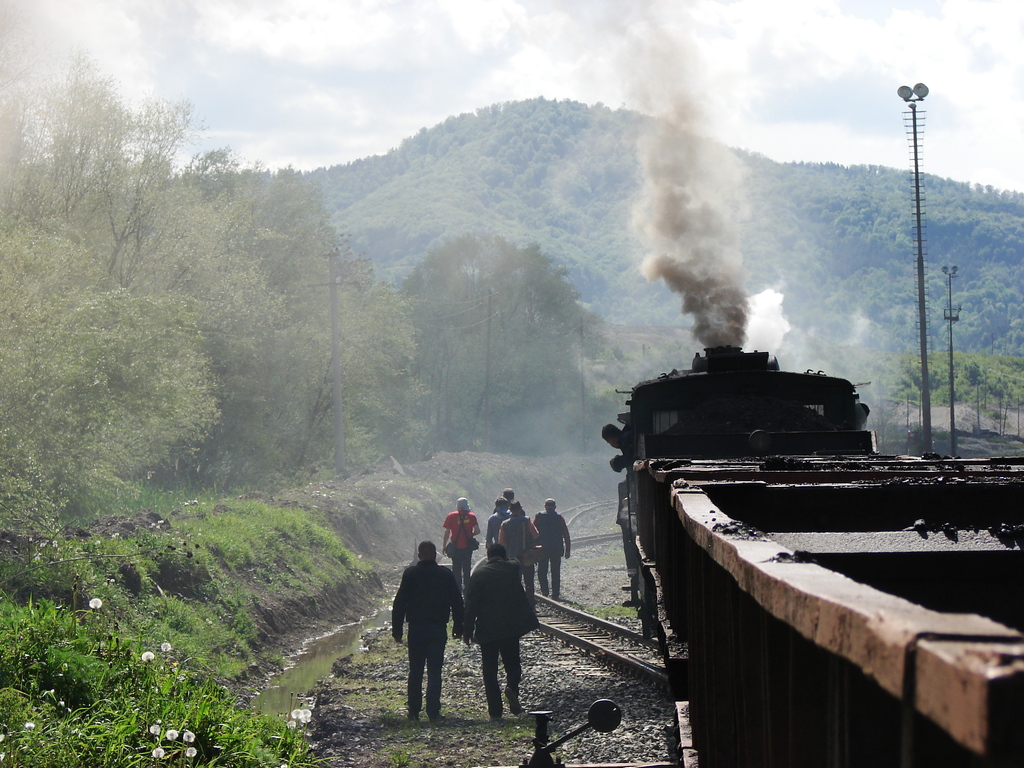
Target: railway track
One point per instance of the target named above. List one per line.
(572, 514)
(600, 538)
(607, 641)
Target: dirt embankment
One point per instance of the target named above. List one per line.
(384, 513)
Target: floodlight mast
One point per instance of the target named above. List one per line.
(912, 96)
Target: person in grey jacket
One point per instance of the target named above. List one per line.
(497, 615)
(427, 596)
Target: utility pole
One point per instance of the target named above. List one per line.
(583, 393)
(487, 376)
(951, 316)
(912, 96)
(339, 421)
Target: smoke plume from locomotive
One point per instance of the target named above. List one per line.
(686, 214)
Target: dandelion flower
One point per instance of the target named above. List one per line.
(158, 752)
(95, 603)
(171, 735)
(155, 729)
(165, 647)
(148, 656)
(191, 752)
(188, 737)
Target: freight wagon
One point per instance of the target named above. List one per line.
(816, 603)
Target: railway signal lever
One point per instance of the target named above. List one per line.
(603, 716)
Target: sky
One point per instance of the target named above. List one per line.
(311, 83)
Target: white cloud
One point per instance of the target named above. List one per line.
(815, 82)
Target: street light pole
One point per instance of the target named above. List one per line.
(912, 96)
(951, 316)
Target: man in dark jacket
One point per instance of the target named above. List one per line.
(500, 515)
(554, 537)
(518, 534)
(497, 615)
(426, 597)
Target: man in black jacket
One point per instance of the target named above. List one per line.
(554, 537)
(427, 596)
(497, 615)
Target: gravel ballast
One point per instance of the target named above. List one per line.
(359, 714)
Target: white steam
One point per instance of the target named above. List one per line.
(767, 326)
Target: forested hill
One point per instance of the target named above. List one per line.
(837, 241)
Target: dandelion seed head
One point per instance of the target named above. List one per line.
(148, 656)
(30, 726)
(292, 724)
(171, 735)
(158, 752)
(165, 647)
(155, 729)
(191, 752)
(188, 737)
(95, 603)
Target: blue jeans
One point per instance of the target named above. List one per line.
(509, 652)
(426, 648)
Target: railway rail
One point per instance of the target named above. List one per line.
(606, 640)
(572, 514)
(599, 538)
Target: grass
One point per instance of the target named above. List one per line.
(194, 584)
(173, 609)
(73, 693)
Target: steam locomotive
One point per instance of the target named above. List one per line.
(816, 603)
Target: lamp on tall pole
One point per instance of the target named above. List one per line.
(951, 316)
(912, 96)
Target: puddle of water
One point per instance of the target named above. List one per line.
(313, 662)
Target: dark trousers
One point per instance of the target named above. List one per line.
(461, 562)
(556, 575)
(527, 572)
(426, 648)
(509, 652)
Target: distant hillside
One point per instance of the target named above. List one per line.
(835, 240)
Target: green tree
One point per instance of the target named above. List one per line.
(498, 348)
(95, 387)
